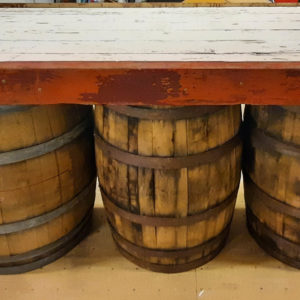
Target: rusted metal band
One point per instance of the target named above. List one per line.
(18, 155)
(293, 109)
(177, 162)
(47, 217)
(271, 242)
(261, 140)
(111, 207)
(254, 194)
(146, 113)
(6, 109)
(166, 253)
(37, 258)
(173, 268)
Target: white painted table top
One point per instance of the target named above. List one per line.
(227, 34)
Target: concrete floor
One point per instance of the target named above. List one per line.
(95, 270)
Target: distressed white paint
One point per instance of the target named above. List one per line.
(150, 34)
(26, 1)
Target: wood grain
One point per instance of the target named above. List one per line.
(36, 186)
(169, 193)
(174, 56)
(228, 34)
(275, 173)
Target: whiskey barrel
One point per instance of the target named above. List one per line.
(47, 183)
(169, 179)
(272, 179)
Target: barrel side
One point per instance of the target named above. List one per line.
(46, 197)
(169, 192)
(272, 180)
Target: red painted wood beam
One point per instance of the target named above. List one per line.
(287, 1)
(171, 83)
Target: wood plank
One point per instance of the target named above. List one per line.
(206, 34)
(144, 62)
(146, 183)
(185, 84)
(209, 3)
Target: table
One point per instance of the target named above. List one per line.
(169, 54)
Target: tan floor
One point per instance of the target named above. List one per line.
(95, 270)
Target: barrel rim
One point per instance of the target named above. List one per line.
(7, 109)
(51, 145)
(172, 268)
(266, 142)
(270, 241)
(185, 112)
(291, 108)
(37, 258)
(250, 127)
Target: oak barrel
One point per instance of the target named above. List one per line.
(47, 183)
(169, 179)
(271, 166)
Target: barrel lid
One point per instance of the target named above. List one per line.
(5, 109)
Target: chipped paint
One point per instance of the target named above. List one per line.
(141, 86)
(149, 86)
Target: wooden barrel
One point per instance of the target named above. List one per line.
(47, 183)
(271, 166)
(169, 179)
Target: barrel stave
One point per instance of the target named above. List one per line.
(169, 192)
(46, 200)
(272, 180)
(38, 124)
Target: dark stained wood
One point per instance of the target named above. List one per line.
(172, 238)
(272, 182)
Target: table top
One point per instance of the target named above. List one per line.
(181, 34)
(150, 55)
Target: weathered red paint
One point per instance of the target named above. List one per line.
(148, 4)
(286, 1)
(169, 83)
